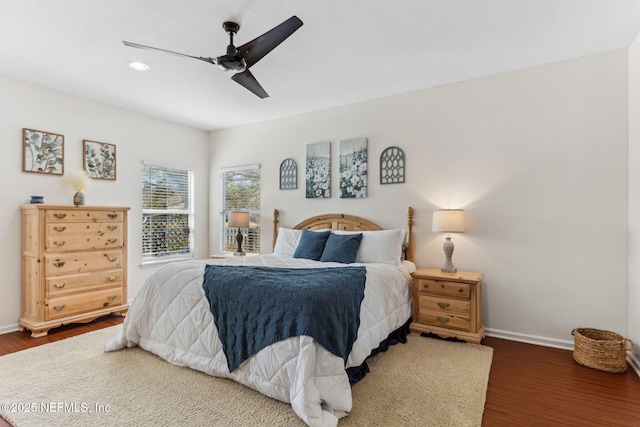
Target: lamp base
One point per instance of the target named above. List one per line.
(448, 252)
(239, 253)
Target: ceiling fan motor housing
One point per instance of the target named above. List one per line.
(232, 61)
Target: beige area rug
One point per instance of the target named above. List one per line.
(426, 382)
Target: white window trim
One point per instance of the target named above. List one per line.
(149, 261)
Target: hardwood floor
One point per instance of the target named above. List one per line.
(529, 385)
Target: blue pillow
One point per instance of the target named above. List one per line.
(341, 248)
(311, 244)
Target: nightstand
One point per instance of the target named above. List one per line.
(447, 304)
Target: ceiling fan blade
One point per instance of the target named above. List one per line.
(247, 80)
(257, 48)
(141, 46)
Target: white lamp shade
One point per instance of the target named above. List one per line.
(239, 219)
(448, 221)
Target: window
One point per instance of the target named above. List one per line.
(167, 213)
(240, 192)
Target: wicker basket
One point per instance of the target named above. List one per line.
(602, 350)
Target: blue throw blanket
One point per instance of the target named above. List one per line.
(254, 307)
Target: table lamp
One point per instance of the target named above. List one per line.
(239, 220)
(448, 221)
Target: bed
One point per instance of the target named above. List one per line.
(172, 315)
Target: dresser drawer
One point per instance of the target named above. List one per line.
(445, 306)
(76, 236)
(63, 263)
(63, 285)
(80, 215)
(80, 303)
(83, 228)
(442, 287)
(443, 320)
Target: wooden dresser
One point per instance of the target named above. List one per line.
(74, 264)
(447, 304)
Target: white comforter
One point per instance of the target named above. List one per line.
(170, 317)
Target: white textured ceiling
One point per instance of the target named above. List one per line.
(346, 51)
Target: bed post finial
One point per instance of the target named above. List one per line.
(276, 216)
(409, 252)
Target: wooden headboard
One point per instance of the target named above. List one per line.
(338, 221)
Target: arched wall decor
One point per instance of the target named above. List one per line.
(288, 174)
(392, 166)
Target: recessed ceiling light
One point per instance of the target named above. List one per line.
(138, 66)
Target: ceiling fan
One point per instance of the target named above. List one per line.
(240, 59)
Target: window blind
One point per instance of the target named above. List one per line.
(167, 212)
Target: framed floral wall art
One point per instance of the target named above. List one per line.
(99, 159)
(318, 170)
(353, 168)
(42, 152)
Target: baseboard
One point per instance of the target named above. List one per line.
(633, 362)
(530, 339)
(9, 328)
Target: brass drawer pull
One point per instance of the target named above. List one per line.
(113, 278)
(112, 240)
(112, 227)
(59, 285)
(59, 263)
(444, 320)
(111, 297)
(60, 215)
(59, 243)
(443, 305)
(59, 229)
(425, 286)
(59, 307)
(111, 259)
(112, 215)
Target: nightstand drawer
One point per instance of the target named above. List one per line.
(443, 287)
(444, 306)
(443, 320)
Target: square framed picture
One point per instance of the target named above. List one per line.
(99, 159)
(42, 152)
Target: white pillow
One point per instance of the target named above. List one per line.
(383, 246)
(287, 242)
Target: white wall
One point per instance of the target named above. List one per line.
(634, 198)
(136, 137)
(537, 158)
